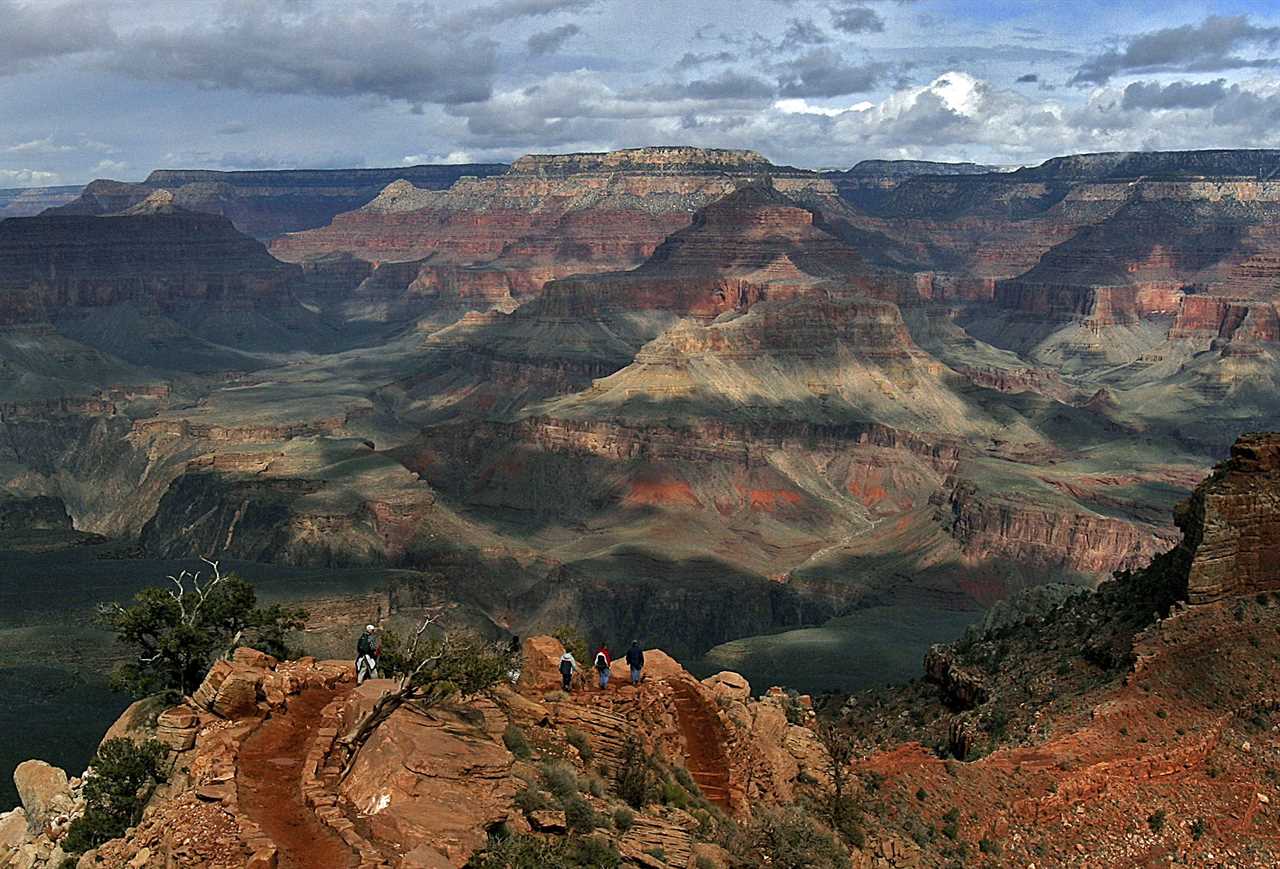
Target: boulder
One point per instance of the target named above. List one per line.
(657, 665)
(728, 684)
(13, 831)
(231, 689)
(548, 821)
(177, 727)
(425, 857)
(540, 670)
(136, 722)
(440, 781)
(44, 791)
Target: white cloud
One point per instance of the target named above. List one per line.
(28, 178)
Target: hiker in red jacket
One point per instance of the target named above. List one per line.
(602, 664)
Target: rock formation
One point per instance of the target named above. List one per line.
(1231, 524)
(267, 204)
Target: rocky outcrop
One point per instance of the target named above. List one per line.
(1023, 532)
(1231, 524)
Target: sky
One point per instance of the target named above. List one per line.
(114, 88)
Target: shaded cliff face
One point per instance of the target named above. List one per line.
(1231, 524)
(270, 203)
(52, 265)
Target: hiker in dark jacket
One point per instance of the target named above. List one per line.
(568, 666)
(602, 664)
(635, 660)
(368, 649)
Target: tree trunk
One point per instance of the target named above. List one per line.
(359, 734)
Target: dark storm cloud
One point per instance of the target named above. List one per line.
(1029, 78)
(1178, 95)
(853, 18)
(692, 60)
(551, 41)
(357, 50)
(31, 33)
(824, 73)
(1208, 46)
(726, 86)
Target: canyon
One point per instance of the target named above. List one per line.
(622, 390)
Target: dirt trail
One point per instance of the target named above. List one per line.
(269, 784)
(701, 730)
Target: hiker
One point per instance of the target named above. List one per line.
(368, 650)
(513, 651)
(603, 662)
(568, 666)
(635, 660)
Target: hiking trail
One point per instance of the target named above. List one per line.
(701, 731)
(269, 783)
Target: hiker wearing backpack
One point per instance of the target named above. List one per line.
(568, 666)
(635, 660)
(602, 664)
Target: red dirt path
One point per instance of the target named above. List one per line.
(269, 784)
(706, 761)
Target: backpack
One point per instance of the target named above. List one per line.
(566, 669)
(602, 663)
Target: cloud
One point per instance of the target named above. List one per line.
(1178, 95)
(823, 73)
(360, 49)
(1028, 78)
(551, 41)
(28, 178)
(729, 85)
(507, 10)
(801, 32)
(692, 60)
(856, 19)
(35, 32)
(233, 128)
(1211, 45)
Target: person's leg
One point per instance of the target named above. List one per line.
(604, 678)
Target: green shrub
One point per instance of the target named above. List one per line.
(561, 779)
(578, 815)
(986, 846)
(674, 795)
(624, 819)
(635, 780)
(578, 740)
(595, 786)
(793, 841)
(922, 795)
(1156, 820)
(531, 800)
(514, 739)
(1198, 829)
(657, 853)
(702, 861)
(123, 776)
(528, 851)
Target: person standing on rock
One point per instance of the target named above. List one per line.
(568, 666)
(602, 663)
(635, 660)
(368, 648)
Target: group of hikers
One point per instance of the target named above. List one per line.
(369, 650)
(603, 664)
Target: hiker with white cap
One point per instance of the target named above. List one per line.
(368, 650)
